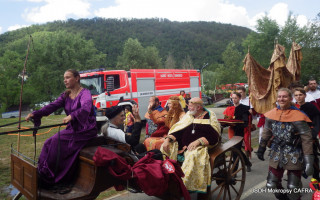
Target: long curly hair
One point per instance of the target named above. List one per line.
(174, 113)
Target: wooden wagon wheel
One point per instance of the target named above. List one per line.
(228, 175)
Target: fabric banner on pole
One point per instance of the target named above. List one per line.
(264, 83)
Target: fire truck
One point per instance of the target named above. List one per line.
(120, 87)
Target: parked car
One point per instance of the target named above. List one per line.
(206, 100)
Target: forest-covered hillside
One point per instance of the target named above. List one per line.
(204, 42)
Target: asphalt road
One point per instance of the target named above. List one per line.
(255, 180)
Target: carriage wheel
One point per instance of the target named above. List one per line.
(228, 176)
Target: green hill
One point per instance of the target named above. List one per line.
(202, 41)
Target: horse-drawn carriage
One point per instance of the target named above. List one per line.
(228, 173)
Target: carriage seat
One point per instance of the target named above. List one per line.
(121, 149)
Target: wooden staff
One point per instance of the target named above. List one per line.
(22, 81)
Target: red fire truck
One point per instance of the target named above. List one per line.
(138, 85)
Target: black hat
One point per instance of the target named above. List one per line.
(113, 111)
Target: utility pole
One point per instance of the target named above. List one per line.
(202, 85)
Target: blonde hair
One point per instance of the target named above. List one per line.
(285, 90)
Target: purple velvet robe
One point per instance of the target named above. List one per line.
(79, 131)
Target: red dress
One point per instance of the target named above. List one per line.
(229, 114)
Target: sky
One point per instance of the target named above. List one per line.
(15, 14)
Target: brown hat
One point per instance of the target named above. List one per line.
(196, 100)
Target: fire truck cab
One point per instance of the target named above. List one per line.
(119, 87)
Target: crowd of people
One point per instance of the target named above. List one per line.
(184, 130)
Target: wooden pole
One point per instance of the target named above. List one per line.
(22, 81)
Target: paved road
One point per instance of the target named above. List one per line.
(255, 180)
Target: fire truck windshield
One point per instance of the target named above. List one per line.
(93, 83)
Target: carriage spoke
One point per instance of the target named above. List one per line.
(225, 192)
(230, 158)
(219, 195)
(235, 163)
(229, 193)
(236, 171)
(235, 190)
(220, 185)
(228, 186)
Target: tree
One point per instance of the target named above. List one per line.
(187, 63)
(135, 56)
(11, 65)
(231, 69)
(209, 79)
(261, 43)
(152, 57)
(170, 63)
(51, 54)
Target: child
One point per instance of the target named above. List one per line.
(128, 122)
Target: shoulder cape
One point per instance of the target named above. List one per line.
(290, 115)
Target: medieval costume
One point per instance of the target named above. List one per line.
(261, 120)
(229, 114)
(196, 165)
(314, 115)
(112, 131)
(157, 137)
(59, 153)
(291, 148)
(247, 130)
(241, 112)
(150, 125)
(316, 95)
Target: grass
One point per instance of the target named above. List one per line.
(209, 106)
(27, 148)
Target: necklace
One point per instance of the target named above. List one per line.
(194, 124)
(193, 131)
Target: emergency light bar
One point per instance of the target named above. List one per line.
(92, 70)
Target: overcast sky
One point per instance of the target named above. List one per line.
(15, 14)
